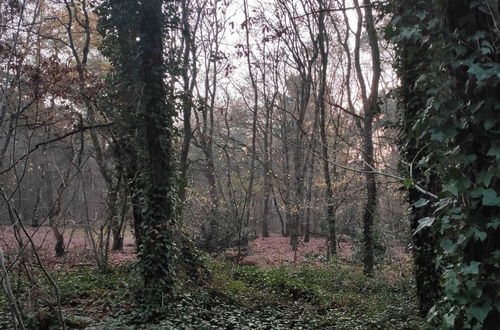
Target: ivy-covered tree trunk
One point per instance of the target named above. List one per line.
(455, 46)
(157, 251)
(119, 226)
(424, 254)
(412, 100)
(187, 100)
(472, 29)
(134, 44)
(371, 193)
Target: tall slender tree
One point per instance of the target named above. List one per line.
(323, 46)
(370, 106)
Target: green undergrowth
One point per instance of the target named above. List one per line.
(86, 296)
(335, 296)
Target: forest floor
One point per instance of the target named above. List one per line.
(272, 288)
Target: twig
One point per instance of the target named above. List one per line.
(38, 145)
(16, 315)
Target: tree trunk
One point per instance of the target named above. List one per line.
(268, 164)
(54, 215)
(157, 252)
(425, 242)
(320, 104)
(370, 105)
(187, 100)
(371, 196)
(118, 229)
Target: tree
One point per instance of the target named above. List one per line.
(458, 90)
(151, 147)
(323, 46)
(369, 95)
(370, 107)
(301, 42)
(414, 149)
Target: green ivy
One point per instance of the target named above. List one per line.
(134, 34)
(460, 78)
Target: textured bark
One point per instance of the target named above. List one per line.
(54, 216)
(307, 226)
(268, 168)
(189, 52)
(120, 224)
(320, 104)
(424, 254)
(112, 215)
(370, 105)
(371, 196)
(255, 106)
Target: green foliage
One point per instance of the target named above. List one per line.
(379, 247)
(337, 296)
(89, 284)
(459, 80)
(134, 35)
(87, 295)
(5, 316)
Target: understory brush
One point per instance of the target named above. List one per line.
(334, 296)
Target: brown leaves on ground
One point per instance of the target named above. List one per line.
(273, 251)
(79, 247)
(276, 251)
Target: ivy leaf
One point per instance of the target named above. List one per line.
(424, 222)
(494, 223)
(451, 187)
(421, 202)
(433, 23)
(448, 246)
(472, 268)
(479, 311)
(421, 14)
(478, 193)
(482, 74)
(480, 235)
(489, 124)
(485, 178)
(490, 198)
(494, 151)
(437, 136)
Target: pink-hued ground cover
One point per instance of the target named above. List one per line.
(276, 251)
(270, 251)
(78, 246)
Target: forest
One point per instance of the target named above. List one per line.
(249, 164)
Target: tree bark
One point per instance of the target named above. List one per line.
(370, 106)
(320, 104)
